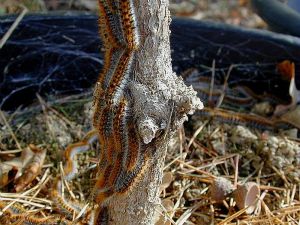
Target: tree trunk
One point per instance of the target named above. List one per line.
(160, 103)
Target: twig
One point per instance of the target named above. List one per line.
(10, 130)
(197, 132)
(236, 171)
(223, 92)
(212, 81)
(196, 169)
(13, 27)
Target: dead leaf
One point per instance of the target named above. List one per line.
(287, 70)
(22, 170)
(16, 164)
(32, 170)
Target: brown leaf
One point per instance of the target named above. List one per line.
(287, 70)
(32, 170)
(22, 170)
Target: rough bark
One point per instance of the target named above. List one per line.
(161, 102)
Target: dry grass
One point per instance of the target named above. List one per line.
(198, 154)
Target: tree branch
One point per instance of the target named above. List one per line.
(158, 103)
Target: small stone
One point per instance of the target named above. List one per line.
(263, 108)
(241, 134)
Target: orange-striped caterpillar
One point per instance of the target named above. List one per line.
(70, 167)
(16, 214)
(68, 208)
(249, 120)
(118, 29)
(129, 24)
(121, 159)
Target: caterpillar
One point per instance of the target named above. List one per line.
(249, 120)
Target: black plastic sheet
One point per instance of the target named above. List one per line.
(62, 55)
